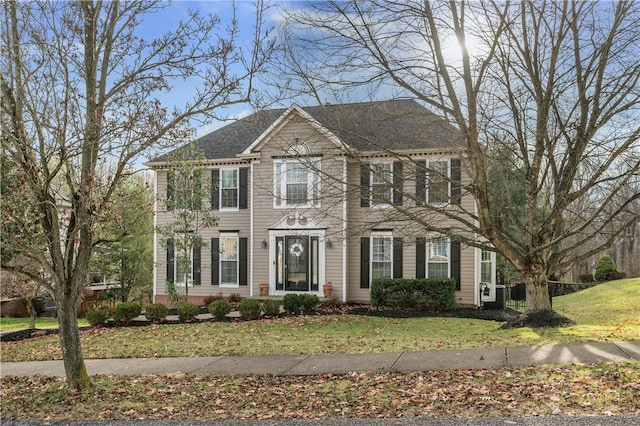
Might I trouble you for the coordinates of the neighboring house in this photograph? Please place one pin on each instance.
(309, 195)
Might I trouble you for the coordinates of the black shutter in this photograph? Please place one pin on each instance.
(397, 258)
(171, 181)
(456, 176)
(365, 176)
(397, 183)
(196, 265)
(455, 262)
(242, 188)
(215, 189)
(171, 275)
(421, 187)
(196, 197)
(364, 262)
(242, 262)
(215, 261)
(421, 257)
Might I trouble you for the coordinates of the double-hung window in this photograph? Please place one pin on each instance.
(229, 260)
(438, 258)
(297, 182)
(381, 256)
(228, 189)
(438, 182)
(486, 266)
(381, 184)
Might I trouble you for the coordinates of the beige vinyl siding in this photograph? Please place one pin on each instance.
(328, 214)
(227, 221)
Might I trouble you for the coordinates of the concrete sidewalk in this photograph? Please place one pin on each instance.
(344, 363)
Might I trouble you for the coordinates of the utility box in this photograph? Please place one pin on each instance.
(501, 299)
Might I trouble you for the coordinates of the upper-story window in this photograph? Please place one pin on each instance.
(438, 182)
(296, 178)
(381, 183)
(229, 188)
(184, 190)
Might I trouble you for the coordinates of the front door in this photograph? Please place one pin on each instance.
(297, 263)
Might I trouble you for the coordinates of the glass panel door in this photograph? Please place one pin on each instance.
(297, 263)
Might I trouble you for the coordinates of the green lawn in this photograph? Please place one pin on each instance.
(13, 324)
(607, 312)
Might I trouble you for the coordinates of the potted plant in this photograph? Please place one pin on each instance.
(264, 289)
(327, 289)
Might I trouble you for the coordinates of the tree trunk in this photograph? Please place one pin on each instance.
(31, 310)
(74, 367)
(537, 292)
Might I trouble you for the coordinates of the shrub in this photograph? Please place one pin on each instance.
(219, 309)
(292, 303)
(585, 278)
(156, 312)
(187, 311)
(209, 299)
(616, 275)
(271, 308)
(250, 309)
(98, 315)
(427, 294)
(125, 312)
(308, 301)
(235, 298)
(604, 267)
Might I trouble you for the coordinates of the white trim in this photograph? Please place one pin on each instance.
(283, 119)
(251, 233)
(155, 237)
(344, 229)
(235, 236)
(371, 175)
(383, 235)
(272, 257)
(428, 241)
(237, 207)
(282, 194)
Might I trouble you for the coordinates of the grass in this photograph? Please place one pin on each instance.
(14, 324)
(608, 312)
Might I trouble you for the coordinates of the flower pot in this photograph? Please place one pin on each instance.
(264, 289)
(327, 289)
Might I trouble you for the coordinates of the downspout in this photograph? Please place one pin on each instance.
(251, 234)
(155, 234)
(344, 228)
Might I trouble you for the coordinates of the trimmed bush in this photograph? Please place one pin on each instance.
(156, 312)
(604, 267)
(98, 315)
(187, 312)
(292, 303)
(308, 301)
(219, 309)
(616, 275)
(585, 278)
(209, 299)
(125, 312)
(425, 294)
(250, 309)
(271, 308)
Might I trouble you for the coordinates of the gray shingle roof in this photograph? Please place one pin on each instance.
(366, 126)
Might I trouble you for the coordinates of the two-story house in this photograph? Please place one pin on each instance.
(310, 195)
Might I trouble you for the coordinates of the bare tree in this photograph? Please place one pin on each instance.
(82, 89)
(553, 83)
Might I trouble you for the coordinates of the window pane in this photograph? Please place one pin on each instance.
(228, 260)
(438, 182)
(438, 270)
(438, 258)
(381, 183)
(229, 248)
(381, 257)
(229, 198)
(229, 272)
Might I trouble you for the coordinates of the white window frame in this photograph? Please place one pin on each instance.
(447, 163)
(232, 236)
(372, 201)
(280, 182)
(385, 235)
(176, 269)
(221, 189)
(429, 248)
